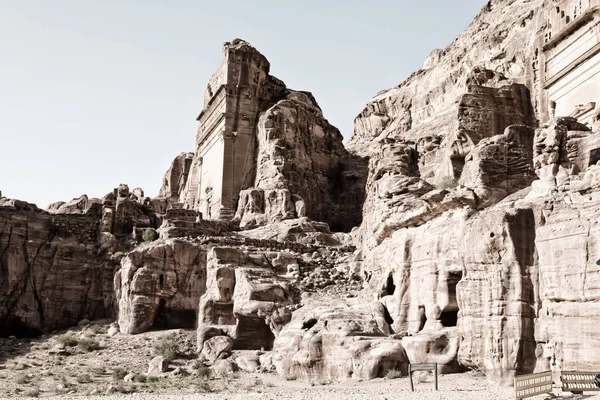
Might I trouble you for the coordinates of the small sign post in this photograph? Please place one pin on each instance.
(422, 367)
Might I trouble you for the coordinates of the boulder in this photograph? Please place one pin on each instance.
(338, 341)
(248, 363)
(217, 348)
(224, 368)
(157, 366)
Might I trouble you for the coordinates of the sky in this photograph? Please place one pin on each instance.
(98, 93)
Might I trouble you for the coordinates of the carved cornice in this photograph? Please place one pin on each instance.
(577, 23)
(578, 61)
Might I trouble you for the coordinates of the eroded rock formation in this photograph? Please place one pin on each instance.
(265, 153)
(467, 169)
(474, 204)
(338, 341)
(159, 285)
(57, 266)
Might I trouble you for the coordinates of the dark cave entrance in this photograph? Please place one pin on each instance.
(14, 326)
(390, 287)
(160, 320)
(309, 324)
(167, 318)
(422, 318)
(388, 317)
(253, 334)
(449, 316)
(389, 364)
(458, 164)
(594, 156)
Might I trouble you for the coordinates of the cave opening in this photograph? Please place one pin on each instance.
(168, 318)
(422, 318)
(14, 326)
(388, 316)
(458, 164)
(594, 157)
(449, 318)
(386, 365)
(160, 320)
(161, 281)
(306, 325)
(253, 334)
(390, 287)
(449, 315)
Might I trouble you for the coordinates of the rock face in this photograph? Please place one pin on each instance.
(38, 253)
(500, 165)
(569, 283)
(477, 231)
(57, 266)
(176, 177)
(299, 151)
(265, 153)
(338, 341)
(247, 297)
(159, 286)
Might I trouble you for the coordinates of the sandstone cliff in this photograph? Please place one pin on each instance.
(461, 235)
(265, 153)
(475, 216)
(57, 266)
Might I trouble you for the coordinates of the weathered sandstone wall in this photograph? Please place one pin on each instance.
(53, 271)
(57, 266)
(265, 153)
(478, 225)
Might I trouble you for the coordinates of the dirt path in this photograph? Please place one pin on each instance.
(89, 364)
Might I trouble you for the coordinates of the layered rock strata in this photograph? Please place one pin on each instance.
(265, 153)
(470, 180)
(477, 207)
(57, 266)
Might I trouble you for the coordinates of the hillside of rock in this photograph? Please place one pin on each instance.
(460, 225)
(265, 153)
(57, 266)
(468, 180)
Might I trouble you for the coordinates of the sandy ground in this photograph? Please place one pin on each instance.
(44, 368)
(451, 387)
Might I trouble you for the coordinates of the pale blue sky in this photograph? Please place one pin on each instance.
(97, 93)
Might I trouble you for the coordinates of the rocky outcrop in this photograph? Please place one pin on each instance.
(501, 38)
(76, 206)
(488, 105)
(176, 177)
(467, 197)
(54, 270)
(500, 165)
(299, 230)
(247, 297)
(557, 155)
(338, 341)
(57, 266)
(179, 222)
(159, 286)
(265, 153)
(302, 169)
